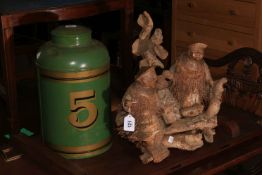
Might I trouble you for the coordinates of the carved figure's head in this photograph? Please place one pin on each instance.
(196, 51)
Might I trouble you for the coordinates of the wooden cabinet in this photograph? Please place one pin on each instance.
(225, 25)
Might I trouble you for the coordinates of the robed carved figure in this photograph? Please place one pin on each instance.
(192, 80)
(141, 102)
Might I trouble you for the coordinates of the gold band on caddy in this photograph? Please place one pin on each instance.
(76, 151)
(75, 77)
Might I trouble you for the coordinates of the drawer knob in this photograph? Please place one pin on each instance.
(191, 5)
(232, 12)
(190, 34)
(230, 43)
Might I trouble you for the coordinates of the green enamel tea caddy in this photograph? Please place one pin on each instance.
(73, 81)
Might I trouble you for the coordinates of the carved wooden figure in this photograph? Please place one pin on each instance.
(142, 102)
(192, 80)
(194, 87)
(176, 109)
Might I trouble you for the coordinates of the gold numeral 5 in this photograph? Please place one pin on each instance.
(80, 101)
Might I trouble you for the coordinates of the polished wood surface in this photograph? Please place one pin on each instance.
(25, 12)
(22, 166)
(122, 158)
(8, 7)
(223, 25)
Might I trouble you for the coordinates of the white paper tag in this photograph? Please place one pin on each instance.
(129, 123)
(170, 139)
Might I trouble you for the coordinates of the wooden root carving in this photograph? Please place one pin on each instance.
(177, 109)
(147, 46)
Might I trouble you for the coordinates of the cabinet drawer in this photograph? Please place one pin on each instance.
(216, 38)
(225, 11)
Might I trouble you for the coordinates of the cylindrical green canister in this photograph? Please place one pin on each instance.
(73, 78)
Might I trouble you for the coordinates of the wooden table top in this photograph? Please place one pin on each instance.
(123, 157)
(21, 166)
(9, 7)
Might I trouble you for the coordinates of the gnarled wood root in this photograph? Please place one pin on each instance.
(189, 141)
(205, 122)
